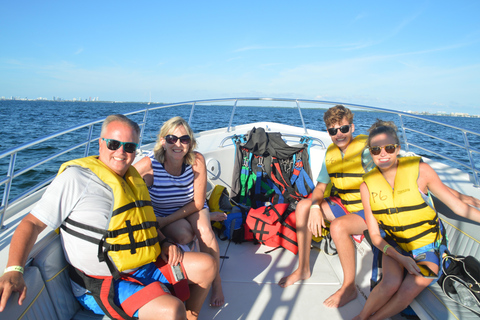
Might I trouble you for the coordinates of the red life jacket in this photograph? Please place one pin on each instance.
(274, 226)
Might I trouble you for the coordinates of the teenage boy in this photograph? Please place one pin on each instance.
(347, 159)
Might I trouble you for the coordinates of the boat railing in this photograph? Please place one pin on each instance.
(301, 139)
(13, 171)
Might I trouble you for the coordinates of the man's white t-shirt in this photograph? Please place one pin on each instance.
(79, 194)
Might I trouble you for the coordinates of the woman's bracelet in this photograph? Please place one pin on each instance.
(316, 206)
(386, 248)
(13, 268)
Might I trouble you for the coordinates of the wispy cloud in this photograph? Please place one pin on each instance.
(80, 50)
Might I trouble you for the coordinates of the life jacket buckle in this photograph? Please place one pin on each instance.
(392, 211)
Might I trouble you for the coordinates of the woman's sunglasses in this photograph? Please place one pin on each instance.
(389, 148)
(343, 129)
(113, 145)
(172, 139)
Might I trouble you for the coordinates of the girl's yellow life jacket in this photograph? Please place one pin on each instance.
(346, 173)
(131, 239)
(401, 211)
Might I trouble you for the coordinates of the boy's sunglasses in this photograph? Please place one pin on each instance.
(129, 147)
(389, 148)
(343, 129)
(172, 139)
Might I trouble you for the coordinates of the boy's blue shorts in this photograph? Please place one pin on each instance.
(339, 210)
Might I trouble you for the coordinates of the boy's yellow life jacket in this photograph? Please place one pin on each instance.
(402, 212)
(346, 173)
(131, 239)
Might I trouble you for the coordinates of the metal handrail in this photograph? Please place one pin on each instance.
(221, 144)
(11, 173)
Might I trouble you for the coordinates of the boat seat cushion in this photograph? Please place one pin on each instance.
(54, 269)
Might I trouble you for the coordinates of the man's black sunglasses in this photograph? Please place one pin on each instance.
(343, 129)
(113, 145)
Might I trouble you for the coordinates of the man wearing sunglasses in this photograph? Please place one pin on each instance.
(347, 159)
(79, 201)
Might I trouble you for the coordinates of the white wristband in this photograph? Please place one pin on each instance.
(14, 268)
(315, 206)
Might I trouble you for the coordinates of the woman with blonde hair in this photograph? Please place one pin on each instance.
(176, 177)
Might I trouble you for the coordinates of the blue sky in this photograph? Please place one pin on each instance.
(405, 55)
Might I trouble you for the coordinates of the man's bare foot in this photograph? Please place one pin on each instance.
(217, 299)
(218, 216)
(341, 297)
(295, 276)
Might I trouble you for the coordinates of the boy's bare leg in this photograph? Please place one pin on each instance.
(341, 230)
(304, 239)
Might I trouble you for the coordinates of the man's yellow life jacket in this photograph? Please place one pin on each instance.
(401, 211)
(346, 173)
(131, 239)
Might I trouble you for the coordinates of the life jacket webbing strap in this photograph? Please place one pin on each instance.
(418, 236)
(113, 233)
(406, 227)
(401, 209)
(120, 247)
(80, 235)
(345, 191)
(106, 296)
(141, 226)
(345, 175)
(287, 239)
(258, 180)
(131, 205)
(348, 202)
(142, 297)
(260, 231)
(285, 188)
(84, 226)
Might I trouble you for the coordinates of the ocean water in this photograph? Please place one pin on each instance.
(23, 121)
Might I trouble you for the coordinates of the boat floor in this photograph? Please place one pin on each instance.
(250, 274)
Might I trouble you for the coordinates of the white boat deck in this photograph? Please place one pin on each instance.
(250, 277)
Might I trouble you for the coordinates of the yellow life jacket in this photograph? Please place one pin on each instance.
(402, 212)
(131, 239)
(346, 173)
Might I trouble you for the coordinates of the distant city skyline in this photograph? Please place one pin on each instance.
(96, 99)
(408, 55)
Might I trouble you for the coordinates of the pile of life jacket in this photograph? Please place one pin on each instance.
(269, 178)
(269, 171)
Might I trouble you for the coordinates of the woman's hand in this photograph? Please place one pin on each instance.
(410, 265)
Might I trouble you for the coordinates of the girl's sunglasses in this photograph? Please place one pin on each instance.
(113, 145)
(389, 148)
(172, 139)
(343, 129)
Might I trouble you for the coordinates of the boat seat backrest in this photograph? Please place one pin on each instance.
(49, 292)
(54, 270)
(37, 304)
(53, 267)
